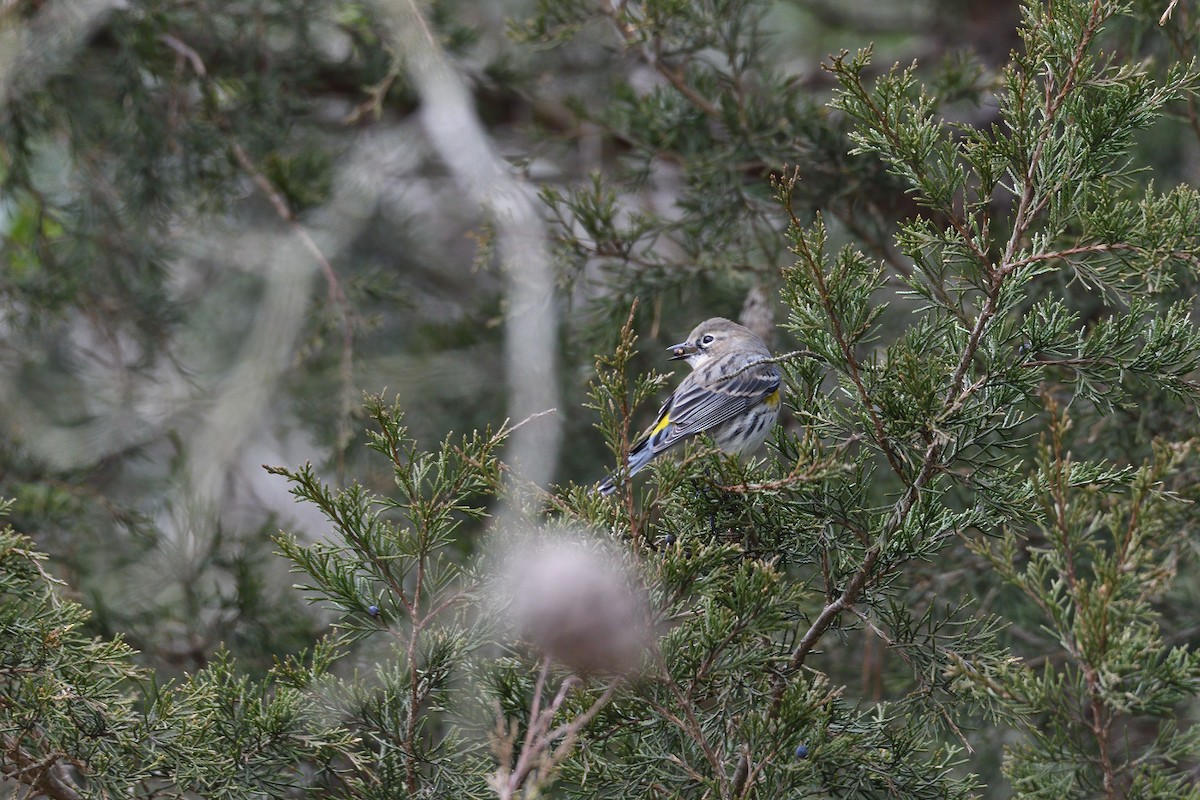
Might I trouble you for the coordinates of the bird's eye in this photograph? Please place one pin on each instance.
(708, 339)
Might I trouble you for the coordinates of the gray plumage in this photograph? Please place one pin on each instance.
(732, 394)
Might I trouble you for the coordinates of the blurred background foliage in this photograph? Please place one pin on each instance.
(169, 166)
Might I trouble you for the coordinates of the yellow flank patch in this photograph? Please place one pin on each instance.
(772, 399)
(662, 423)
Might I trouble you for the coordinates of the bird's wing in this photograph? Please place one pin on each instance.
(695, 408)
(644, 449)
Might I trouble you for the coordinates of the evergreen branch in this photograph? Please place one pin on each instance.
(689, 725)
(891, 643)
(415, 700)
(318, 494)
(1099, 722)
(955, 396)
(654, 59)
(1030, 205)
(880, 122)
(538, 752)
(1106, 361)
(852, 366)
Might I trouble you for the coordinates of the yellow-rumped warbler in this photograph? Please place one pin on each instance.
(732, 395)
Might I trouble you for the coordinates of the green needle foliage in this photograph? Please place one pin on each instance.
(1109, 539)
(81, 719)
(959, 570)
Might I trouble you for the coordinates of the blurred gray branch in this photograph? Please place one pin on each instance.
(33, 51)
(448, 115)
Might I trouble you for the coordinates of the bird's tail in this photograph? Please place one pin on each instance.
(639, 456)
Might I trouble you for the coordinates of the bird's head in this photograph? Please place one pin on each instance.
(714, 338)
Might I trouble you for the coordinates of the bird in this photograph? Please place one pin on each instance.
(732, 394)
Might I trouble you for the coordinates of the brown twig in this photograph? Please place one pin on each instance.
(43, 775)
(673, 74)
(689, 724)
(337, 297)
(538, 751)
(810, 473)
(813, 261)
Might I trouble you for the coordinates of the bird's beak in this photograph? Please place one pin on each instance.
(681, 351)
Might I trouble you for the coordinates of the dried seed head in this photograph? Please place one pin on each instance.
(578, 605)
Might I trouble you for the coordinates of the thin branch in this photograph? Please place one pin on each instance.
(822, 623)
(453, 129)
(337, 297)
(1029, 205)
(884, 124)
(538, 752)
(689, 724)
(844, 344)
(811, 473)
(44, 775)
(891, 643)
(654, 58)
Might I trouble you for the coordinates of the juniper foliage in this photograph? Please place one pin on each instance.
(956, 571)
(82, 719)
